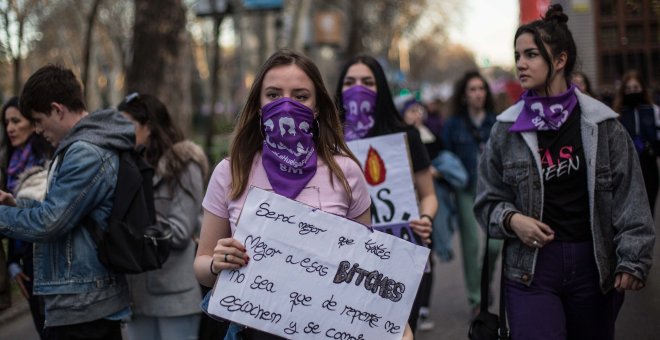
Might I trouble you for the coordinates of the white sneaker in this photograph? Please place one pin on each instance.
(425, 324)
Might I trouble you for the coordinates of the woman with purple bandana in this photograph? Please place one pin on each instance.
(288, 139)
(560, 182)
(367, 109)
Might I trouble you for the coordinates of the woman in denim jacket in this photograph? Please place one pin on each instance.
(560, 181)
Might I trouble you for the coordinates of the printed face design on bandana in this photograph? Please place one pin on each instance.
(359, 106)
(288, 153)
(287, 126)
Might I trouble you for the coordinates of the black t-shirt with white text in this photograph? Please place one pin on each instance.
(566, 196)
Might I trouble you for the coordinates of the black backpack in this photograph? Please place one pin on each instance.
(133, 242)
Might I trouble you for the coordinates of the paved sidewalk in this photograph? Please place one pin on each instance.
(19, 307)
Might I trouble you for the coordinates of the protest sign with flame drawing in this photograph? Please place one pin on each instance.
(386, 164)
(315, 275)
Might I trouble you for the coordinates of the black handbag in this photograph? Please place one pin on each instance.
(486, 325)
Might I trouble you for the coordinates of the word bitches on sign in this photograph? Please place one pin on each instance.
(315, 275)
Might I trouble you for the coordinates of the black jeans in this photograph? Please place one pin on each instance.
(102, 329)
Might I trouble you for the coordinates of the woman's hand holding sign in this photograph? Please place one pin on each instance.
(228, 254)
(214, 256)
(422, 227)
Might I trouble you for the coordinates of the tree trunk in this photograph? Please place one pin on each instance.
(355, 35)
(161, 57)
(87, 53)
(215, 84)
(17, 58)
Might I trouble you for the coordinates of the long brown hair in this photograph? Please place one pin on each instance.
(618, 99)
(248, 139)
(150, 111)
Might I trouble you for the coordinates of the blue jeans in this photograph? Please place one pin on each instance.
(184, 327)
(564, 300)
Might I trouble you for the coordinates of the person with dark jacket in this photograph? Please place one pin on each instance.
(465, 134)
(641, 118)
(81, 295)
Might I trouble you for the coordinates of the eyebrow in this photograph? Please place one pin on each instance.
(365, 77)
(293, 90)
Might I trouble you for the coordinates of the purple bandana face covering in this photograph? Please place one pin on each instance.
(545, 113)
(288, 154)
(359, 105)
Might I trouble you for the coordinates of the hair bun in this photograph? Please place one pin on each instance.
(556, 14)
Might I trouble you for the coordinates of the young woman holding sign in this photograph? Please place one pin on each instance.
(560, 181)
(287, 95)
(362, 81)
(366, 107)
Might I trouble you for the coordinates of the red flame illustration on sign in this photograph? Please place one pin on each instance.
(374, 168)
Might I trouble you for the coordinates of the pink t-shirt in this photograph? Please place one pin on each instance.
(318, 193)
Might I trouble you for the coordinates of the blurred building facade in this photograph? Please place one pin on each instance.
(612, 36)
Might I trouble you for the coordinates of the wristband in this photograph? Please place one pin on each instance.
(211, 268)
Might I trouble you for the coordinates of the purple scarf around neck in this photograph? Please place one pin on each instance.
(21, 159)
(545, 113)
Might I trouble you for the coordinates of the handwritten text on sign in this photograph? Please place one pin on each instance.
(316, 275)
(386, 167)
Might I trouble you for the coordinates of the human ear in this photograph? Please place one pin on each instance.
(57, 109)
(560, 61)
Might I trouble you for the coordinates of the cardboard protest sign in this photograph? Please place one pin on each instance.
(315, 275)
(386, 164)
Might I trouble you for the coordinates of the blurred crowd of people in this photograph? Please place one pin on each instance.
(472, 171)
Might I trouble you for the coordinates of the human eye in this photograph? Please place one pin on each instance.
(369, 82)
(272, 94)
(516, 56)
(532, 54)
(349, 81)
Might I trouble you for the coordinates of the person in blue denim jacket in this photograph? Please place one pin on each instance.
(560, 181)
(81, 296)
(465, 134)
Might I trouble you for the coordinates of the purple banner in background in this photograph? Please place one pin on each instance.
(401, 230)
